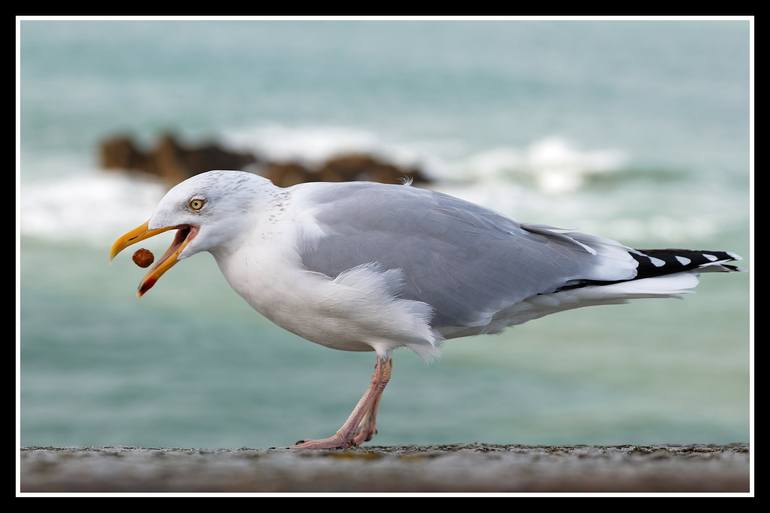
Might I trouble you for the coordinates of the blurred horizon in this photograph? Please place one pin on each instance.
(632, 130)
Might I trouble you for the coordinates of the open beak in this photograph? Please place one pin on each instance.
(183, 237)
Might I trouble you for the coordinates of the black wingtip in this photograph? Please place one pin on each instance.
(658, 262)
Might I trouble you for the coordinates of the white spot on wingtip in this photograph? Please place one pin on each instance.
(710, 257)
(734, 256)
(683, 260)
(657, 262)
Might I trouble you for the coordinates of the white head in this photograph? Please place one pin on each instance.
(209, 211)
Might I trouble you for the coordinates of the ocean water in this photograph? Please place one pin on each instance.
(632, 130)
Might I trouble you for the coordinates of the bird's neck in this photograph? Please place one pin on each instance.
(266, 222)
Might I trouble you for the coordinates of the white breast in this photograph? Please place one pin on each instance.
(356, 311)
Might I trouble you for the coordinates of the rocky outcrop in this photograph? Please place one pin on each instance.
(173, 162)
(169, 159)
(360, 166)
(120, 152)
(342, 168)
(286, 174)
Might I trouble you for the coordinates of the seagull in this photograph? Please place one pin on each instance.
(363, 266)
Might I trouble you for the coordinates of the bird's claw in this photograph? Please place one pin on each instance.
(333, 442)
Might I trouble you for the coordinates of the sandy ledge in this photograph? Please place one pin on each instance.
(452, 468)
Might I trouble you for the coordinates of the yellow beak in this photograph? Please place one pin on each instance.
(183, 237)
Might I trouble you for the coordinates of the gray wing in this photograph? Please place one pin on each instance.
(465, 261)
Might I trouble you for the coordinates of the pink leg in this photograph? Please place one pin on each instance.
(368, 426)
(346, 436)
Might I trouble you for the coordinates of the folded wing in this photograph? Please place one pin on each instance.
(468, 263)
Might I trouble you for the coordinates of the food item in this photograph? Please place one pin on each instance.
(143, 257)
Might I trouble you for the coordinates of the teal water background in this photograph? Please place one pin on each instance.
(631, 130)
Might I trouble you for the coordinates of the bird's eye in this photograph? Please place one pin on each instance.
(196, 203)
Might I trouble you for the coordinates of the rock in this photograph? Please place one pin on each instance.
(209, 156)
(173, 162)
(361, 166)
(168, 159)
(120, 152)
(341, 168)
(286, 174)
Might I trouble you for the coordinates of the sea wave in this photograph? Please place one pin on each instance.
(91, 207)
(313, 144)
(548, 181)
(309, 144)
(95, 207)
(552, 164)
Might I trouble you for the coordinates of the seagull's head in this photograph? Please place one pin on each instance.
(208, 211)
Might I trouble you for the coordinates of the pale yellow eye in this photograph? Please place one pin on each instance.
(196, 204)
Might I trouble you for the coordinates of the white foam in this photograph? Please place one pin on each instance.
(313, 144)
(555, 165)
(310, 144)
(72, 200)
(92, 207)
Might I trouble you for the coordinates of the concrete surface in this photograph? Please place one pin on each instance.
(451, 468)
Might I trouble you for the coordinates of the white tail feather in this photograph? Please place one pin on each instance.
(669, 285)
